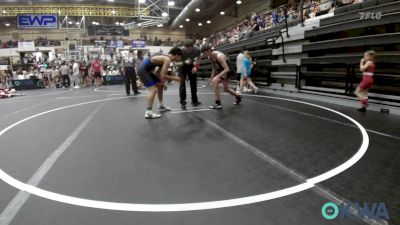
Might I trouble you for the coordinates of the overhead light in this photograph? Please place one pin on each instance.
(200, 24)
(187, 19)
(7, 24)
(117, 23)
(121, 24)
(208, 21)
(110, 0)
(4, 11)
(139, 24)
(113, 12)
(160, 25)
(142, 1)
(95, 23)
(222, 13)
(197, 10)
(171, 3)
(164, 14)
(238, 2)
(180, 26)
(77, 23)
(70, 22)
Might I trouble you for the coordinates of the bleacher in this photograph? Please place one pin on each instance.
(343, 39)
(260, 46)
(330, 52)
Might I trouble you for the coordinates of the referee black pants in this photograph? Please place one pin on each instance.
(130, 79)
(187, 71)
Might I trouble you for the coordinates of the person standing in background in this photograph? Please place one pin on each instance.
(367, 67)
(130, 73)
(246, 72)
(75, 74)
(191, 64)
(239, 66)
(97, 69)
(56, 77)
(64, 71)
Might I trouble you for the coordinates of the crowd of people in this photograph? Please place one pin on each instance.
(292, 11)
(45, 42)
(39, 42)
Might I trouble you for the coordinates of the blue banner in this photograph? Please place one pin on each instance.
(37, 21)
(138, 44)
(113, 80)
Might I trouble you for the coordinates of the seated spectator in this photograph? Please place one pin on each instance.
(253, 16)
(261, 22)
(324, 7)
(306, 8)
(281, 16)
(292, 14)
(274, 18)
(314, 9)
(343, 2)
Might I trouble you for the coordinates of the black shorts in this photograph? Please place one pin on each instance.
(238, 76)
(97, 74)
(148, 78)
(228, 75)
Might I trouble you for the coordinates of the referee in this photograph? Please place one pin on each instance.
(130, 73)
(191, 63)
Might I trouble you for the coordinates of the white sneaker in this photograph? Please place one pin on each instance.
(151, 115)
(163, 108)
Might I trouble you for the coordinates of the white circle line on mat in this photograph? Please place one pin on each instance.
(309, 183)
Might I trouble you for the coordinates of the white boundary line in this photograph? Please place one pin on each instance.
(309, 183)
(27, 97)
(102, 91)
(189, 111)
(19, 200)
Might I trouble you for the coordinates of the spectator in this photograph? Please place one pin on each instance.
(76, 74)
(239, 66)
(65, 71)
(54, 77)
(340, 3)
(246, 72)
(281, 16)
(292, 14)
(261, 22)
(274, 18)
(96, 70)
(324, 7)
(254, 27)
(307, 9)
(253, 16)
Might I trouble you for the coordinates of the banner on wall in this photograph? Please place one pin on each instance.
(26, 45)
(138, 44)
(115, 43)
(37, 21)
(107, 30)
